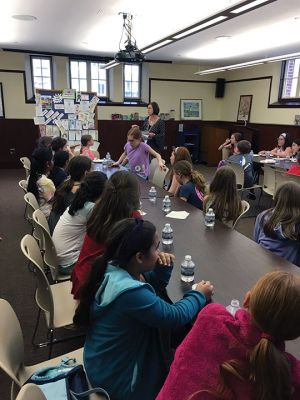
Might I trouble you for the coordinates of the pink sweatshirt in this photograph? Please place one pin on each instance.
(216, 337)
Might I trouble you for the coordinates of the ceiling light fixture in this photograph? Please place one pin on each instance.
(248, 6)
(199, 27)
(23, 17)
(249, 63)
(223, 38)
(109, 65)
(156, 46)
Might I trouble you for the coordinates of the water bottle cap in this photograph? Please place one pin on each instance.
(167, 226)
(210, 210)
(166, 197)
(152, 188)
(235, 303)
(188, 258)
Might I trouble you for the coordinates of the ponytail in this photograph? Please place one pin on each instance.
(40, 160)
(199, 180)
(64, 188)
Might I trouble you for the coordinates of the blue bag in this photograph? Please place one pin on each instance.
(64, 382)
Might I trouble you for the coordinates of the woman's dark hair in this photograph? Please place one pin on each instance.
(77, 168)
(90, 189)
(60, 158)
(155, 107)
(286, 212)
(287, 140)
(124, 240)
(44, 141)
(84, 140)
(223, 197)
(58, 143)
(119, 200)
(238, 135)
(297, 141)
(40, 159)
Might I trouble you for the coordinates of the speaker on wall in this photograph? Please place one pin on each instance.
(220, 87)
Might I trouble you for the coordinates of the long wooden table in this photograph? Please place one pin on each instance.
(229, 259)
(281, 164)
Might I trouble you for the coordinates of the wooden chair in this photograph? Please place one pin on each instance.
(27, 165)
(56, 301)
(47, 246)
(245, 208)
(159, 176)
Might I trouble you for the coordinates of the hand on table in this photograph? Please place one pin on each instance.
(206, 288)
(115, 164)
(165, 258)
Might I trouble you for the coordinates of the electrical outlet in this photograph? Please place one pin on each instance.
(12, 151)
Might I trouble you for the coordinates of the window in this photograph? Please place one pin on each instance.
(290, 84)
(41, 71)
(89, 76)
(132, 82)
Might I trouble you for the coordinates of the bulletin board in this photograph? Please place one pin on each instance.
(67, 113)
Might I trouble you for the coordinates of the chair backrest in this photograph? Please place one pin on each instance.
(96, 153)
(50, 256)
(269, 180)
(239, 172)
(159, 176)
(39, 219)
(245, 208)
(23, 185)
(12, 344)
(30, 392)
(43, 295)
(153, 166)
(32, 205)
(280, 178)
(26, 164)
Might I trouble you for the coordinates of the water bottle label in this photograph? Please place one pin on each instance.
(167, 235)
(186, 271)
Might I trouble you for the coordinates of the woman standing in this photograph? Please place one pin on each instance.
(156, 128)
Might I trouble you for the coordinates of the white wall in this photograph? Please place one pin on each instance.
(166, 93)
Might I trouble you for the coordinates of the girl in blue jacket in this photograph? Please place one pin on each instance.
(127, 322)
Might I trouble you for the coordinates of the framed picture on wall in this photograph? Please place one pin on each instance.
(244, 108)
(190, 109)
(2, 114)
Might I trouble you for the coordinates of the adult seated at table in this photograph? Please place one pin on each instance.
(229, 146)
(278, 229)
(178, 154)
(283, 148)
(295, 169)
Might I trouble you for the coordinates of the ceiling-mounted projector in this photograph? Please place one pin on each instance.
(130, 54)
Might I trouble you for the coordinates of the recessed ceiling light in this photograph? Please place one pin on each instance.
(23, 17)
(223, 38)
(85, 43)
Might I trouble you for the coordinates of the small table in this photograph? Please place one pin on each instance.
(282, 163)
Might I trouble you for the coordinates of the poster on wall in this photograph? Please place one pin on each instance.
(190, 109)
(2, 114)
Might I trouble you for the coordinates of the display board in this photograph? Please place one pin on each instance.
(67, 113)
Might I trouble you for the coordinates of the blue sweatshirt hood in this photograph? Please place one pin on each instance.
(116, 281)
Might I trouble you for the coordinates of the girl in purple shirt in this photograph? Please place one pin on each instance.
(136, 154)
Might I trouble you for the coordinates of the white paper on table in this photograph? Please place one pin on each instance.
(268, 161)
(142, 212)
(178, 214)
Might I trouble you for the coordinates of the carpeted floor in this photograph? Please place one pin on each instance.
(17, 283)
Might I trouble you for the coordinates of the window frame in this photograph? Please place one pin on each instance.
(89, 75)
(286, 100)
(32, 75)
(132, 99)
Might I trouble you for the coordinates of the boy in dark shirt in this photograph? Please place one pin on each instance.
(244, 158)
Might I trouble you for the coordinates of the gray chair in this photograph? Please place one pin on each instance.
(30, 392)
(245, 208)
(26, 164)
(269, 180)
(30, 206)
(12, 351)
(56, 301)
(159, 177)
(153, 166)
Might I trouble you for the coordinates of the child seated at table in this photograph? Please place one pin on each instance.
(178, 154)
(278, 229)
(126, 351)
(86, 142)
(244, 159)
(70, 230)
(60, 162)
(120, 199)
(295, 147)
(242, 356)
(38, 183)
(283, 148)
(136, 153)
(192, 183)
(61, 144)
(295, 169)
(223, 197)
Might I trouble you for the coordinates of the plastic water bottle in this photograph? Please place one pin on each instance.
(108, 159)
(152, 195)
(233, 307)
(166, 204)
(167, 234)
(187, 269)
(210, 218)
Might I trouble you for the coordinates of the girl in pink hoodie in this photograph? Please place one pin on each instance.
(243, 356)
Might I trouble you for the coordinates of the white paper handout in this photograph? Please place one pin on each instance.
(69, 106)
(39, 120)
(178, 214)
